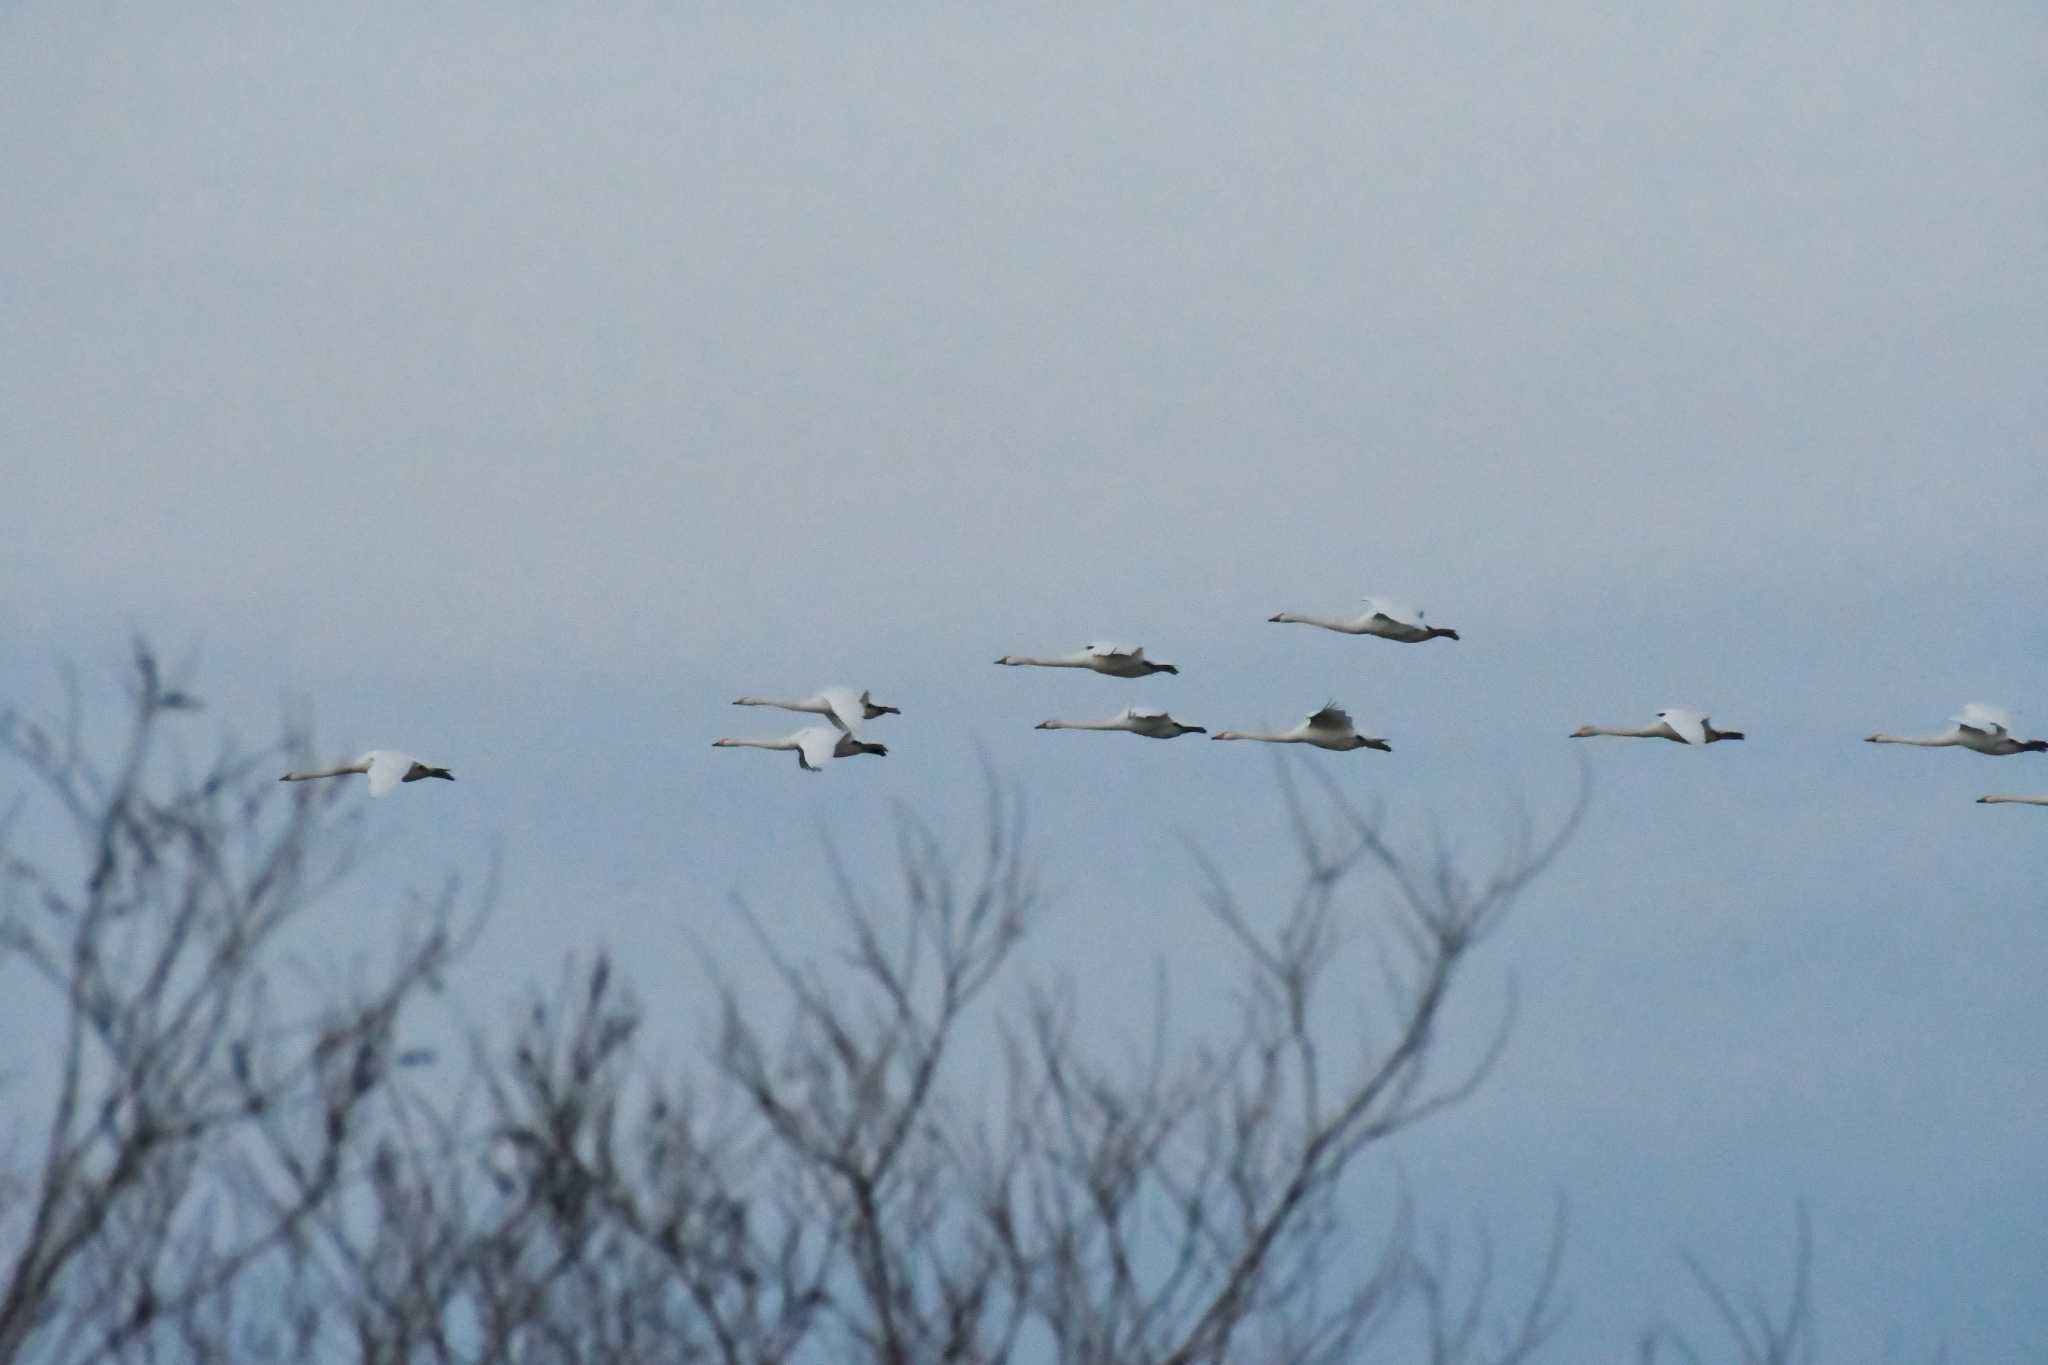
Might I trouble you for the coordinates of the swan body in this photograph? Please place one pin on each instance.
(1680, 724)
(2012, 800)
(1979, 728)
(1386, 619)
(1329, 728)
(815, 746)
(1106, 657)
(1136, 720)
(844, 707)
(386, 767)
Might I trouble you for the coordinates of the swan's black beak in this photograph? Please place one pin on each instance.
(441, 773)
(887, 711)
(1274, 617)
(1169, 668)
(1197, 730)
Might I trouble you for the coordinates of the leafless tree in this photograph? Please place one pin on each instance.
(198, 1110)
(1758, 1334)
(887, 1157)
(835, 1195)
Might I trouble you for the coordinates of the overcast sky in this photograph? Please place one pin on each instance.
(518, 386)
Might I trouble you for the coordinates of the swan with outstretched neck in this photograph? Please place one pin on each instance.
(1112, 660)
(1386, 619)
(2012, 800)
(844, 707)
(1981, 729)
(1680, 724)
(1330, 728)
(1136, 720)
(386, 768)
(814, 745)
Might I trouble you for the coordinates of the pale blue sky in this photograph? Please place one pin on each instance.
(518, 387)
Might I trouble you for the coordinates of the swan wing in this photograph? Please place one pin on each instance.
(1332, 717)
(1397, 612)
(1145, 713)
(1114, 649)
(1688, 724)
(815, 745)
(1987, 720)
(843, 708)
(387, 769)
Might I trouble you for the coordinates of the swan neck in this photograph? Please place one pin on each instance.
(309, 775)
(1327, 623)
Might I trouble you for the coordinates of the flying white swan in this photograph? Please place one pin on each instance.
(386, 767)
(1980, 728)
(1116, 660)
(815, 746)
(1679, 723)
(2012, 800)
(1381, 617)
(1136, 719)
(1329, 728)
(844, 707)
